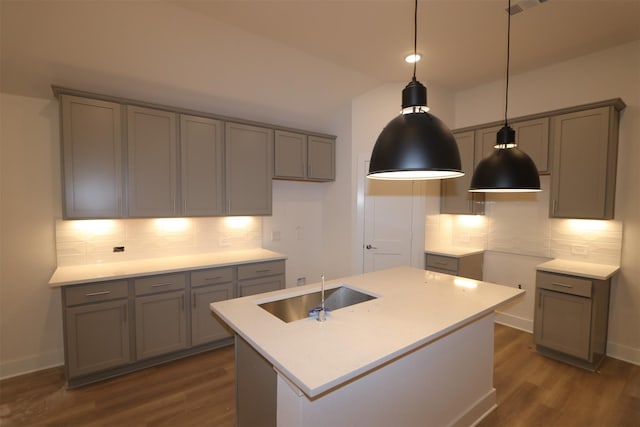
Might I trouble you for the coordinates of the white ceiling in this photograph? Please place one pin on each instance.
(287, 61)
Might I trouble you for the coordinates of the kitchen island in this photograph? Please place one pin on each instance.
(419, 353)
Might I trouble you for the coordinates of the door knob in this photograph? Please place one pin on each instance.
(370, 247)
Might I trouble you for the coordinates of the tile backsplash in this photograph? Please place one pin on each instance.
(520, 224)
(92, 241)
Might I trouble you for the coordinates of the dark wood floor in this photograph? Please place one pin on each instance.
(199, 391)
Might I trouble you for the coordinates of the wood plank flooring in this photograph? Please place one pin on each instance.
(199, 391)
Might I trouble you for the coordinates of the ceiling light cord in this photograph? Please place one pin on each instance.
(415, 38)
(506, 93)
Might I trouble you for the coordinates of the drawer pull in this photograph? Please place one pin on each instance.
(160, 285)
(95, 294)
(440, 263)
(562, 285)
(214, 278)
(263, 271)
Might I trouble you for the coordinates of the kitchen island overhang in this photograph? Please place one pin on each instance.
(417, 315)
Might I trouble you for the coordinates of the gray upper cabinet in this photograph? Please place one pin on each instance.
(202, 166)
(532, 137)
(585, 146)
(321, 160)
(92, 158)
(301, 157)
(455, 197)
(290, 155)
(249, 159)
(152, 149)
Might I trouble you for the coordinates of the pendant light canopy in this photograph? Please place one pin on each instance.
(508, 169)
(415, 145)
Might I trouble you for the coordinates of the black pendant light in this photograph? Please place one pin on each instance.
(415, 145)
(508, 169)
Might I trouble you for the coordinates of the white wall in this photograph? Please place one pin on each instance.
(604, 75)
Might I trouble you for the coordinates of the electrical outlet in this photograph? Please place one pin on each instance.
(118, 249)
(301, 281)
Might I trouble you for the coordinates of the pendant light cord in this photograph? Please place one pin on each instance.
(506, 94)
(415, 38)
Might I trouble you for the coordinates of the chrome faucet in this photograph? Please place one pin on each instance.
(322, 313)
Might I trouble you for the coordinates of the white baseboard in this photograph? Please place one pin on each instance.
(515, 322)
(13, 368)
(623, 352)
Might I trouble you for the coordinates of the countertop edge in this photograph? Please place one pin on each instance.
(581, 269)
(454, 252)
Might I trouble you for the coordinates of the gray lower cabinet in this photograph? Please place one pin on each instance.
(161, 316)
(96, 327)
(91, 157)
(469, 266)
(249, 162)
(152, 166)
(207, 286)
(455, 197)
(260, 277)
(571, 318)
(585, 152)
(202, 166)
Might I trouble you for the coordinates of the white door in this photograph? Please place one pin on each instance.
(388, 219)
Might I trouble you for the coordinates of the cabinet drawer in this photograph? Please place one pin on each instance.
(249, 271)
(166, 282)
(211, 276)
(95, 292)
(565, 284)
(442, 263)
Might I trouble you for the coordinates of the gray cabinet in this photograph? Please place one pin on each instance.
(152, 162)
(301, 157)
(570, 318)
(92, 158)
(469, 265)
(532, 137)
(249, 159)
(161, 319)
(455, 197)
(202, 166)
(96, 327)
(585, 147)
(209, 286)
(260, 277)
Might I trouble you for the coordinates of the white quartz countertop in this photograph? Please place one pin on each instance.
(452, 251)
(413, 308)
(76, 274)
(577, 268)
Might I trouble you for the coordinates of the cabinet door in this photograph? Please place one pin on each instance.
(584, 164)
(205, 327)
(92, 158)
(202, 174)
(258, 286)
(97, 337)
(152, 162)
(532, 137)
(290, 153)
(563, 322)
(249, 151)
(455, 197)
(321, 158)
(161, 324)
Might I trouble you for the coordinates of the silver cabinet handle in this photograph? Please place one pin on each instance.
(370, 247)
(95, 294)
(562, 285)
(263, 271)
(160, 285)
(213, 278)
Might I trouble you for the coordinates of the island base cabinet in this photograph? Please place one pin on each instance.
(256, 385)
(97, 337)
(161, 324)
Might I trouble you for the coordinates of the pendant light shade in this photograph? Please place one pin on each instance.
(508, 169)
(415, 145)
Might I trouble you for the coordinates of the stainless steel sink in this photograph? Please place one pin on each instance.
(299, 307)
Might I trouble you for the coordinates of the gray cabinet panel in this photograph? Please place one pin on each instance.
(258, 286)
(202, 173)
(584, 164)
(161, 324)
(249, 158)
(470, 265)
(152, 162)
(97, 337)
(290, 155)
(321, 159)
(205, 327)
(92, 158)
(455, 197)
